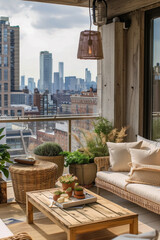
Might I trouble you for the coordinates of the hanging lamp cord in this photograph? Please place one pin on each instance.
(90, 18)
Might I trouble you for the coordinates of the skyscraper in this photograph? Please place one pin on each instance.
(61, 75)
(45, 71)
(9, 65)
(31, 84)
(87, 75)
(22, 82)
(56, 82)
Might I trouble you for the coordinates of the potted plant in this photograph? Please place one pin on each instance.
(69, 191)
(49, 151)
(57, 195)
(67, 181)
(81, 165)
(78, 192)
(4, 158)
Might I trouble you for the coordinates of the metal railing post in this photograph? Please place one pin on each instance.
(69, 135)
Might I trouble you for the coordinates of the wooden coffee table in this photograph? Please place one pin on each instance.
(95, 216)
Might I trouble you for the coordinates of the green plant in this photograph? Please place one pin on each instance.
(102, 125)
(78, 188)
(69, 178)
(48, 149)
(76, 157)
(4, 156)
(57, 192)
(69, 189)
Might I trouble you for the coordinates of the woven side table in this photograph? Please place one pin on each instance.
(26, 178)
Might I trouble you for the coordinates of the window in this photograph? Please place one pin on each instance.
(5, 49)
(0, 74)
(5, 74)
(0, 61)
(6, 112)
(0, 100)
(5, 100)
(12, 113)
(5, 61)
(152, 75)
(5, 34)
(6, 87)
(0, 87)
(19, 112)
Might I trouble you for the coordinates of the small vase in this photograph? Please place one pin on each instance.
(67, 185)
(78, 193)
(55, 197)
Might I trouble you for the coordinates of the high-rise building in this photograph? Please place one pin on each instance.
(31, 84)
(9, 66)
(45, 71)
(71, 83)
(61, 75)
(22, 82)
(87, 75)
(56, 82)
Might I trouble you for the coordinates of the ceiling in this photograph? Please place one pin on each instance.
(80, 3)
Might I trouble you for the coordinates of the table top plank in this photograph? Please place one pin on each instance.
(92, 214)
(99, 208)
(79, 216)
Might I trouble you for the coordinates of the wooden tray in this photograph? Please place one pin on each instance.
(76, 202)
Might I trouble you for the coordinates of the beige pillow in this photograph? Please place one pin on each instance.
(120, 155)
(150, 157)
(144, 174)
(148, 144)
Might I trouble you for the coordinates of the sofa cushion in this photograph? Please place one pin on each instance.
(148, 144)
(115, 178)
(151, 157)
(145, 174)
(153, 235)
(120, 155)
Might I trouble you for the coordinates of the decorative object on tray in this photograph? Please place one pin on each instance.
(29, 161)
(69, 192)
(67, 181)
(57, 195)
(78, 192)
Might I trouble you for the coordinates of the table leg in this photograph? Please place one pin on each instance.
(29, 211)
(71, 235)
(134, 226)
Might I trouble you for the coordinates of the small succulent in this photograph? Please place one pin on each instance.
(69, 189)
(69, 178)
(48, 149)
(78, 188)
(57, 192)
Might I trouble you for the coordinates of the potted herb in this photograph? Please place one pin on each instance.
(81, 165)
(69, 192)
(57, 195)
(67, 181)
(78, 192)
(49, 151)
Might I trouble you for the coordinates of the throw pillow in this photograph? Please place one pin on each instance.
(144, 174)
(148, 144)
(120, 155)
(150, 157)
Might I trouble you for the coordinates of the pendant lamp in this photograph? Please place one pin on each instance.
(90, 44)
(99, 12)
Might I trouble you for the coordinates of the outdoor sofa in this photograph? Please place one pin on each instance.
(145, 195)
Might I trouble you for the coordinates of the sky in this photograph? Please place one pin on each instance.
(49, 27)
(156, 45)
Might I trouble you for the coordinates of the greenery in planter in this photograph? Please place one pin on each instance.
(58, 192)
(93, 144)
(76, 157)
(78, 188)
(48, 149)
(69, 189)
(4, 155)
(69, 178)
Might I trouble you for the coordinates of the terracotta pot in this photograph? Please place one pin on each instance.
(78, 193)
(69, 194)
(67, 185)
(55, 197)
(59, 160)
(86, 173)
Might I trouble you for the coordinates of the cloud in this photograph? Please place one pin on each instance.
(52, 16)
(11, 7)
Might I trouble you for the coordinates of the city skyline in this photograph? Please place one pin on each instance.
(47, 33)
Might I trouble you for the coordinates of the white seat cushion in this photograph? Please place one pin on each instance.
(116, 178)
(148, 192)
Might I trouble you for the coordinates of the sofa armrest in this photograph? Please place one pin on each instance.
(102, 163)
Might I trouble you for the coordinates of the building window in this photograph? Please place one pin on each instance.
(0, 74)
(0, 100)
(6, 112)
(12, 113)
(5, 49)
(0, 61)
(0, 48)
(0, 112)
(5, 74)
(5, 61)
(5, 34)
(19, 112)
(5, 100)
(0, 87)
(6, 87)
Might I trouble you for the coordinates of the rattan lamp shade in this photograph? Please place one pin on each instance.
(90, 45)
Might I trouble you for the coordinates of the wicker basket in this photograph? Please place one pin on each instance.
(59, 160)
(26, 178)
(19, 236)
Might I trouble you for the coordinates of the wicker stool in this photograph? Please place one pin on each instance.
(26, 178)
(19, 236)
